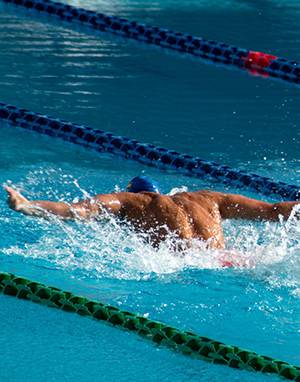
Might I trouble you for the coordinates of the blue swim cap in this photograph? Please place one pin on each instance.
(142, 183)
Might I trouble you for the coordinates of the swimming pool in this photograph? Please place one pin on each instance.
(164, 99)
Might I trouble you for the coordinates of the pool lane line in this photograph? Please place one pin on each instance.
(258, 63)
(188, 343)
(145, 153)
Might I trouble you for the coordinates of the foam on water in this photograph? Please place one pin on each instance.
(106, 249)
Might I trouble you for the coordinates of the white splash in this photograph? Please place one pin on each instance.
(269, 251)
(177, 190)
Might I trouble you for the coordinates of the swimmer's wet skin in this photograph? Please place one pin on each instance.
(189, 215)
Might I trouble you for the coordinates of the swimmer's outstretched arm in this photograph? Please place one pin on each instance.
(42, 208)
(239, 207)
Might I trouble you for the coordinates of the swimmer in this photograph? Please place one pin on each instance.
(190, 215)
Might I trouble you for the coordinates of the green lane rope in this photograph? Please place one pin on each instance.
(187, 342)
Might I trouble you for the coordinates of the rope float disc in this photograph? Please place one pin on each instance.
(218, 52)
(186, 342)
(145, 153)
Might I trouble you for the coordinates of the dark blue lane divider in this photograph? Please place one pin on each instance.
(145, 153)
(257, 62)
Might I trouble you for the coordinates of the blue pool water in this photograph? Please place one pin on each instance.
(165, 99)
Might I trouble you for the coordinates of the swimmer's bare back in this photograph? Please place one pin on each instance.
(188, 214)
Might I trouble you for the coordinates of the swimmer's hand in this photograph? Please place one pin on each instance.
(16, 201)
(42, 208)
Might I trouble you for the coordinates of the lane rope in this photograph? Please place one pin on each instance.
(186, 342)
(147, 154)
(218, 52)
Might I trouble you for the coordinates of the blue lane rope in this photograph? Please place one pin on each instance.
(214, 51)
(145, 153)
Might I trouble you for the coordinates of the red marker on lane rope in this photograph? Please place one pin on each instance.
(258, 61)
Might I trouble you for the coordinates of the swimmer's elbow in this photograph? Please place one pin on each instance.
(83, 210)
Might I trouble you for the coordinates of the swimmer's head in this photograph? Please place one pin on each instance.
(142, 183)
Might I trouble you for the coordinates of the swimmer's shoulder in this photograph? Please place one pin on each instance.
(199, 196)
(192, 194)
(136, 198)
(154, 197)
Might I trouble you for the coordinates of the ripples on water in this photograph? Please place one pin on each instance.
(137, 91)
(148, 94)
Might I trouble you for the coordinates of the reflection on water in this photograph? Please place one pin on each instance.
(154, 96)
